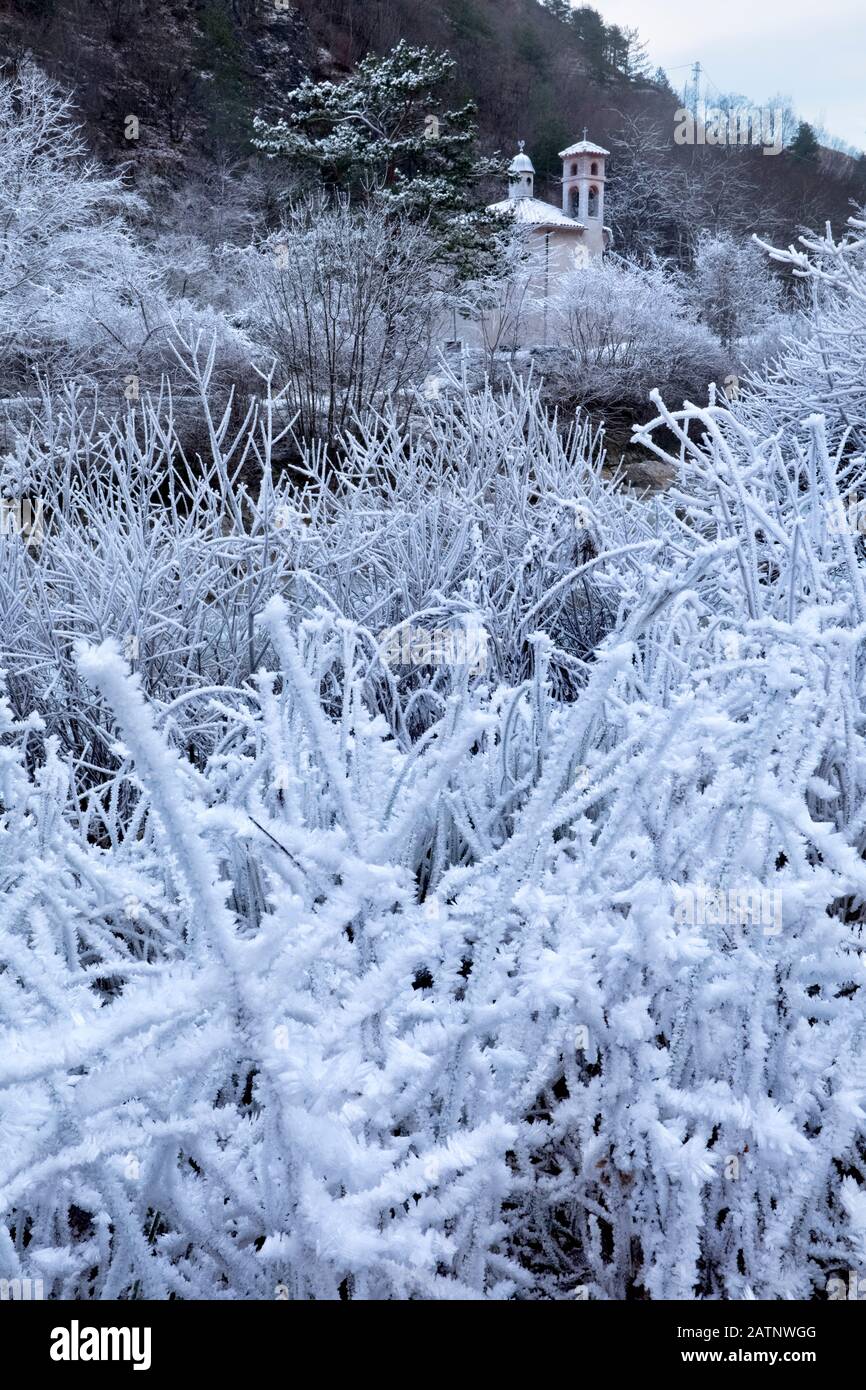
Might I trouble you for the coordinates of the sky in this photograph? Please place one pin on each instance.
(814, 52)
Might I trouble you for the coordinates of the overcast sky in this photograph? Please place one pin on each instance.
(812, 50)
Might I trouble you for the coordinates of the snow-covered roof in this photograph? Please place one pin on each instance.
(583, 147)
(532, 212)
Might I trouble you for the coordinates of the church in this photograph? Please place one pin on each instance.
(574, 234)
(562, 240)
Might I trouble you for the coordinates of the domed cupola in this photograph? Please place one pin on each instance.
(521, 175)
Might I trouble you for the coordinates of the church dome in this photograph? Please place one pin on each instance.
(521, 163)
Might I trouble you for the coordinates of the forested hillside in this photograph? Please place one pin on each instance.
(194, 72)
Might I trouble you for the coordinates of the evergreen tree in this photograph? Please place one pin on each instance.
(561, 9)
(616, 48)
(218, 52)
(383, 135)
(636, 63)
(661, 80)
(805, 145)
(593, 34)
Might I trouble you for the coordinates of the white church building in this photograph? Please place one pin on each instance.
(576, 232)
(563, 239)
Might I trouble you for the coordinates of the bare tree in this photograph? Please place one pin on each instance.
(732, 290)
(61, 220)
(646, 192)
(347, 302)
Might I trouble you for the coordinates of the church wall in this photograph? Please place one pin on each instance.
(526, 319)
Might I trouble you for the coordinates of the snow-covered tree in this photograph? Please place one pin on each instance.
(62, 225)
(647, 195)
(383, 133)
(820, 367)
(347, 301)
(80, 294)
(731, 288)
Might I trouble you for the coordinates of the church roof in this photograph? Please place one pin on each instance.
(532, 212)
(583, 147)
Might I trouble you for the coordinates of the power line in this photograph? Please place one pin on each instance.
(707, 78)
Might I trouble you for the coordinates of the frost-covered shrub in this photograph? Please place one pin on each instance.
(624, 330)
(732, 289)
(346, 300)
(81, 296)
(300, 998)
(481, 514)
(820, 366)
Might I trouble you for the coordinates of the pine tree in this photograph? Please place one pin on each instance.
(560, 9)
(805, 145)
(593, 34)
(661, 80)
(383, 135)
(636, 63)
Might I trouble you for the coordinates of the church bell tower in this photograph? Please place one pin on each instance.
(583, 181)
